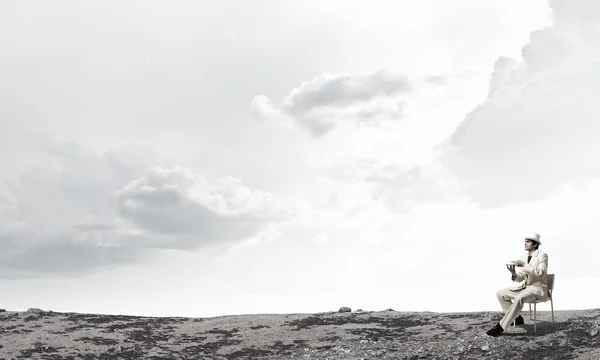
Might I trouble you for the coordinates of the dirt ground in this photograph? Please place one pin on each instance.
(37, 334)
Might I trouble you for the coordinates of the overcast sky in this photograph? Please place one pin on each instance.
(205, 158)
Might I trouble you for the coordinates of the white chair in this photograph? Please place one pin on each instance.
(550, 278)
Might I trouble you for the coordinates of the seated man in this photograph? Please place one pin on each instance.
(534, 286)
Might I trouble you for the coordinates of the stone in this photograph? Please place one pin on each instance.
(34, 311)
(594, 332)
(485, 348)
(2, 310)
(344, 309)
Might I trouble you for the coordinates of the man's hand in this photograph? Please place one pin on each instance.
(519, 263)
(511, 268)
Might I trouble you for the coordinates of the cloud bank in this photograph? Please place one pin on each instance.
(538, 128)
(82, 212)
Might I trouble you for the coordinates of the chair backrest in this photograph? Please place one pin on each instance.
(550, 278)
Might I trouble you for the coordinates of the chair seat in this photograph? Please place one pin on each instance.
(536, 301)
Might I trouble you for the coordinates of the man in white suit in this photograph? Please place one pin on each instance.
(534, 285)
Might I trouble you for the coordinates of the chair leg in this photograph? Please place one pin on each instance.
(530, 317)
(552, 307)
(534, 317)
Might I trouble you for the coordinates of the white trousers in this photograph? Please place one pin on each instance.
(512, 303)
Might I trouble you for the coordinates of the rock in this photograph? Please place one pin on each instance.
(389, 309)
(344, 309)
(34, 311)
(380, 352)
(359, 310)
(594, 332)
(485, 348)
(2, 310)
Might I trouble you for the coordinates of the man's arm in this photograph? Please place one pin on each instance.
(514, 275)
(540, 269)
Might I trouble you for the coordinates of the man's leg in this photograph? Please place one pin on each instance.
(505, 297)
(515, 309)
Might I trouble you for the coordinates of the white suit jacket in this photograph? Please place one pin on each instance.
(534, 276)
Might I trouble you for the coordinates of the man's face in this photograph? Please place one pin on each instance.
(529, 246)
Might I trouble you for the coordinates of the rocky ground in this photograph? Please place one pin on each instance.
(37, 334)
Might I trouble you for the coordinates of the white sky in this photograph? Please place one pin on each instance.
(208, 158)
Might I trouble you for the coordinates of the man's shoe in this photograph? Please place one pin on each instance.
(519, 321)
(495, 331)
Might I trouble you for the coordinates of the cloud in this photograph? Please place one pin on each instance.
(538, 128)
(400, 188)
(82, 212)
(69, 258)
(180, 210)
(327, 101)
(357, 183)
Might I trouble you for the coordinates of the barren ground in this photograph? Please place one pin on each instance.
(37, 334)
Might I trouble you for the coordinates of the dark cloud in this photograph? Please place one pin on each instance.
(68, 258)
(177, 204)
(84, 212)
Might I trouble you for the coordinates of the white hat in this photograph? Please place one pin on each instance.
(534, 237)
